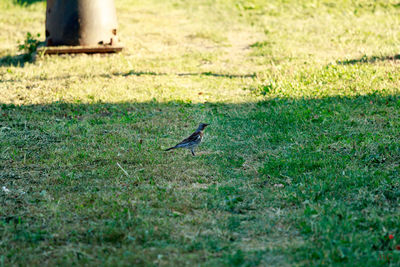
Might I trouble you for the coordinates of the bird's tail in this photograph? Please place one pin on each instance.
(168, 149)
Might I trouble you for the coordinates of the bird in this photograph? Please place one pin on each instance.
(193, 140)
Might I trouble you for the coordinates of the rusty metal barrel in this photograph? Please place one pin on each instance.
(84, 23)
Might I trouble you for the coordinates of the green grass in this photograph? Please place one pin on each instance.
(300, 165)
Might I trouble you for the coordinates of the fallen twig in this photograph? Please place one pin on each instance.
(126, 173)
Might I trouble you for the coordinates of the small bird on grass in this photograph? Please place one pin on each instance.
(192, 141)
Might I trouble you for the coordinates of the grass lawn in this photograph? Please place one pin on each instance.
(300, 165)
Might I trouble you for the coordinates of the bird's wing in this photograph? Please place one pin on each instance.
(193, 138)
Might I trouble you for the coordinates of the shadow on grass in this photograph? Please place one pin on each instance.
(365, 59)
(324, 162)
(26, 2)
(30, 45)
(16, 61)
(280, 122)
(223, 75)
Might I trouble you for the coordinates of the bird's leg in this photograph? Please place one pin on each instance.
(192, 152)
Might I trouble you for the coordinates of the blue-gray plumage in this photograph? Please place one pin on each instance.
(192, 141)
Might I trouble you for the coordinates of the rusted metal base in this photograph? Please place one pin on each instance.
(48, 50)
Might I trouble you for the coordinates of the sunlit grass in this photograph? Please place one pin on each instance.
(300, 165)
